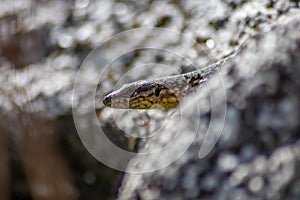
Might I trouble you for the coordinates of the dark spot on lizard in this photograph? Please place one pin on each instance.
(157, 91)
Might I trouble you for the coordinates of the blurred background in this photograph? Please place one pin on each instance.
(43, 43)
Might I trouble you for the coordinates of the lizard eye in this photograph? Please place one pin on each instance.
(157, 92)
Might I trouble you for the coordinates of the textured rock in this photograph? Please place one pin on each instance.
(216, 28)
(41, 88)
(257, 155)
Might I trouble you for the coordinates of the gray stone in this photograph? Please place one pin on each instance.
(262, 85)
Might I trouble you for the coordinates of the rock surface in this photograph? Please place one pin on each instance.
(258, 153)
(43, 43)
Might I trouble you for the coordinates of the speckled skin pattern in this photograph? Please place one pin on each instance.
(162, 93)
